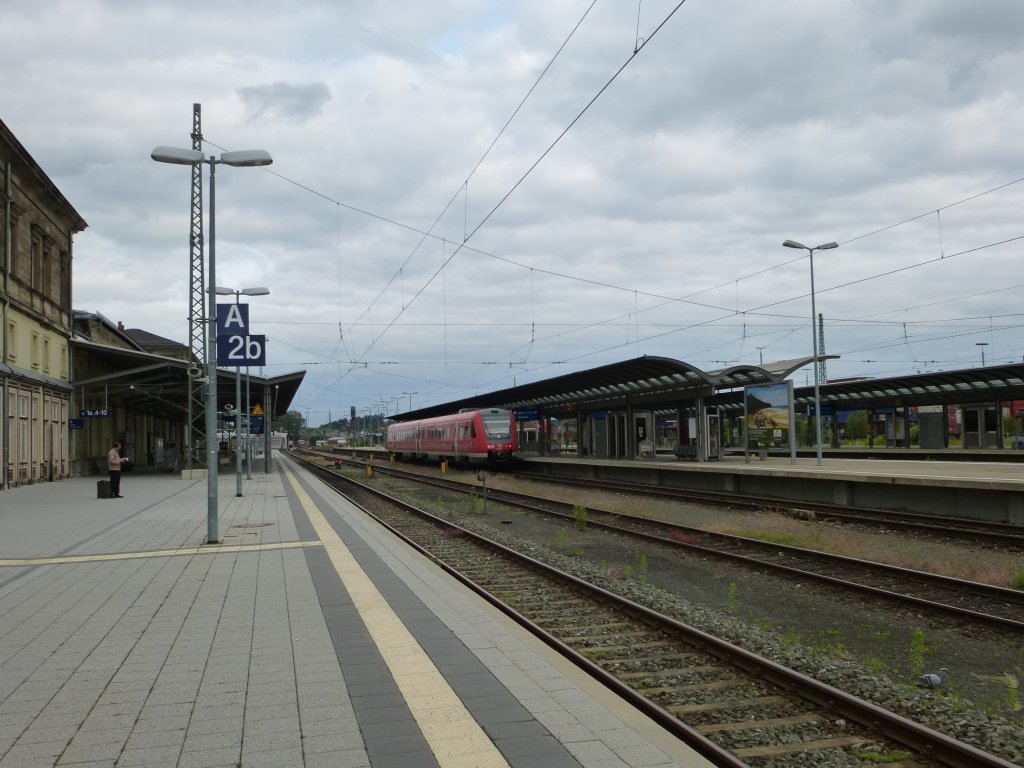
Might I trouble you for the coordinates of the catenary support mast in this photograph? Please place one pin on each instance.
(197, 309)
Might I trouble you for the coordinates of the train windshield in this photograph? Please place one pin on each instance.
(497, 424)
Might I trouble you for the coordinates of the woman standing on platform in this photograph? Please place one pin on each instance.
(114, 463)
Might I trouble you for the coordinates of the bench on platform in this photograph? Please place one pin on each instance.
(686, 451)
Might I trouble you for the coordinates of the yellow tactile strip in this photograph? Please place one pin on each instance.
(455, 738)
(185, 551)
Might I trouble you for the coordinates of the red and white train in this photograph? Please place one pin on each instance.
(475, 437)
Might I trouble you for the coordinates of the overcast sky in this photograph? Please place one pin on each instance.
(424, 241)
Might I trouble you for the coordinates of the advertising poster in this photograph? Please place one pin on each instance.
(768, 407)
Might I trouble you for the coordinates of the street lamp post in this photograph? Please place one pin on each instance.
(814, 335)
(241, 159)
(982, 344)
(410, 394)
(258, 291)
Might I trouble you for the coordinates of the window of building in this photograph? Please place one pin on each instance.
(35, 275)
(12, 340)
(35, 350)
(46, 354)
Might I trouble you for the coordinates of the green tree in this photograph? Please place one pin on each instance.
(292, 423)
(857, 425)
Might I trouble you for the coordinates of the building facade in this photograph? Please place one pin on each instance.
(38, 226)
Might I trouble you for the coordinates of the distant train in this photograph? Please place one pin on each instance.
(474, 437)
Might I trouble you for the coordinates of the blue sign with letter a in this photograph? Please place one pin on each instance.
(232, 319)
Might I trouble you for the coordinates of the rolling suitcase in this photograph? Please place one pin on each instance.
(102, 489)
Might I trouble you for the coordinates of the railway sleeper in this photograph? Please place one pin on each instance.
(777, 750)
(757, 702)
(774, 722)
(639, 675)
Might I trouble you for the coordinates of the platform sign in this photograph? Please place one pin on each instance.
(232, 319)
(76, 423)
(92, 413)
(256, 425)
(242, 350)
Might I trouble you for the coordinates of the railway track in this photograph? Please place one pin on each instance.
(1002, 534)
(968, 602)
(733, 706)
(998, 534)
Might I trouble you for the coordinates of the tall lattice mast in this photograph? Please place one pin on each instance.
(822, 376)
(197, 309)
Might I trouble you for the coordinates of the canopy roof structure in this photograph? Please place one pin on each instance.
(641, 381)
(662, 383)
(159, 383)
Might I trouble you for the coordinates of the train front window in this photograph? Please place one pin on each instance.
(497, 425)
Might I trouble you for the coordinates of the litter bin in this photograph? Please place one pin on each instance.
(102, 489)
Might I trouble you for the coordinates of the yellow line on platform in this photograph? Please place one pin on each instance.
(203, 550)
(455, 738)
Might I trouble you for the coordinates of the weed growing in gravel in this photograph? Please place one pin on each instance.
(792, 636)
(831, 641)
(789, 539)
(874, 664)
(644, 683)
(562, 537)
(579, 514)
(1017, 581)
(641, 567)
(918, 650)
(732, 602)
(1012, 695)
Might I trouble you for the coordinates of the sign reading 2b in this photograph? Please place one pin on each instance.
(242, 350)
(235, 345)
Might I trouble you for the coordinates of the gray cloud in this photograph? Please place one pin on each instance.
(285, 101)
(732, 130)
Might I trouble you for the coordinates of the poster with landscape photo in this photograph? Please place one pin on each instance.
(768, 408)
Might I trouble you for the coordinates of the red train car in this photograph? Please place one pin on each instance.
(474, 437)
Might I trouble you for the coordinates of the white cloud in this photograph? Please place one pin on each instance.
(731, 130)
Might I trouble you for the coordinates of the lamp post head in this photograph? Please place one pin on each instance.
(822, 247)
(257, 291)
(177, 156)
(246, 158)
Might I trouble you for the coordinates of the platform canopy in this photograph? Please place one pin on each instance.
(966, 385)
(665, 383)
(158, 383)
(641, 381)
